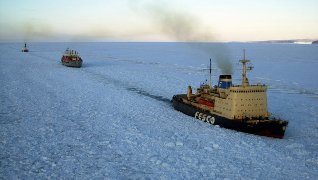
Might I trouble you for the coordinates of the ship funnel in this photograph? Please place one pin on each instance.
(225, 81)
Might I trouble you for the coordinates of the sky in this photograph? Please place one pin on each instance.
(155, 20)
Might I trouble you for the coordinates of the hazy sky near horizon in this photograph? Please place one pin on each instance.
(151, 20)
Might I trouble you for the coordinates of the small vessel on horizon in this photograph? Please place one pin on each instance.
(25, 49)
(71, 58)
(239, 107)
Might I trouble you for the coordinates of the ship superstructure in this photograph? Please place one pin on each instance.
(241, 107)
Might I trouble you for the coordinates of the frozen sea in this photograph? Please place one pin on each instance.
(112, 118)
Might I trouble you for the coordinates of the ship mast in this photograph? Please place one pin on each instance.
(210, 75)
(244, 78)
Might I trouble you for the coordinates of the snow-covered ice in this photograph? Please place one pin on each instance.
(113, 119)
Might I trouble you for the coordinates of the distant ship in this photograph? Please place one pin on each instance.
(239, 107)
(71, 58)
(25, 49)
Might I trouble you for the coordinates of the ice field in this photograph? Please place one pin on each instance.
(112, 118)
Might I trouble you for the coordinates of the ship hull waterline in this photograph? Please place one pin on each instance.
(269, 128)
(72, 63)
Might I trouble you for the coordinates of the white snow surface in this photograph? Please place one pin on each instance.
(112, 118)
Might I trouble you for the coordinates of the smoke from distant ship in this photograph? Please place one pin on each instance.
(36, 30)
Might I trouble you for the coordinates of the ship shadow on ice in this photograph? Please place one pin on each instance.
(123, 85)
(145, 93)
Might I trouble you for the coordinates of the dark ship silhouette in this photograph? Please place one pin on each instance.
(71, 58)
(25, 49)
(239, 107)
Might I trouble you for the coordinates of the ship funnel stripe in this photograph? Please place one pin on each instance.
(226, 80)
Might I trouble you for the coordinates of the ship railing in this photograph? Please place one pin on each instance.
(249, 85)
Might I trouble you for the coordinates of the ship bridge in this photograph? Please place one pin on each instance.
(241, 101)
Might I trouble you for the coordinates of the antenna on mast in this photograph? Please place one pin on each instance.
(244, 78)
(243, 54)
